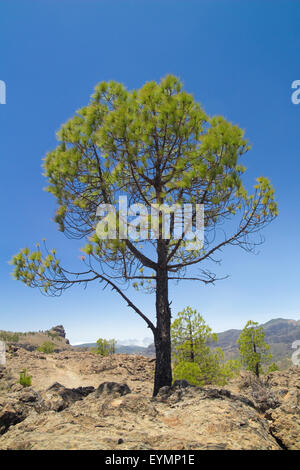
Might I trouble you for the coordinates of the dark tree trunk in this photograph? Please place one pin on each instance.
(192, 355)
(162, 336)
(257, 363)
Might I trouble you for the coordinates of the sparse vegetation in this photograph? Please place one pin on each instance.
(9, 337)
(25, 379)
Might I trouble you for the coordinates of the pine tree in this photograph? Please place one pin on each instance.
(193, 358)
(190, 335)
(254, 351)
(105, 347)
(157, 146)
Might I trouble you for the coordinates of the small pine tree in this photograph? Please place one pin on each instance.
(193, 359)
(105, 347)
(254, 351)
(25, 380)
(190, 335)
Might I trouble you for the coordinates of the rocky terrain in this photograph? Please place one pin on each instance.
(79, 400)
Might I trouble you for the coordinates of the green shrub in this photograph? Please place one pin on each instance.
(189, 371)
(272, 368)
(25, 380)
(228, 370)
(210, 371)
(47, 347)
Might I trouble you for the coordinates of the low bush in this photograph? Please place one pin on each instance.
(47, 347)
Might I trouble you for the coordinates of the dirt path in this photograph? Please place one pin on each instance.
(80, 369)
(54, 372)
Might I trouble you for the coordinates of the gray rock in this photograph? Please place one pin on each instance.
(112, 388)
(67, 395)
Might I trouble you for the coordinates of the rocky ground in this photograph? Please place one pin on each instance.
(79, 400)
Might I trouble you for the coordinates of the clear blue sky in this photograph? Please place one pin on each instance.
(238, 58)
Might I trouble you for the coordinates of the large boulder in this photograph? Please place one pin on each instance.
(112, 388)
(18, 406)
(57, 397)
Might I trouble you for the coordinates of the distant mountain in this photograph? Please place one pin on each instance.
(124, 348)
(131, 349)
(151, 350)
(85, 345)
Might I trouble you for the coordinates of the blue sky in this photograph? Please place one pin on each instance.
(238, 58)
